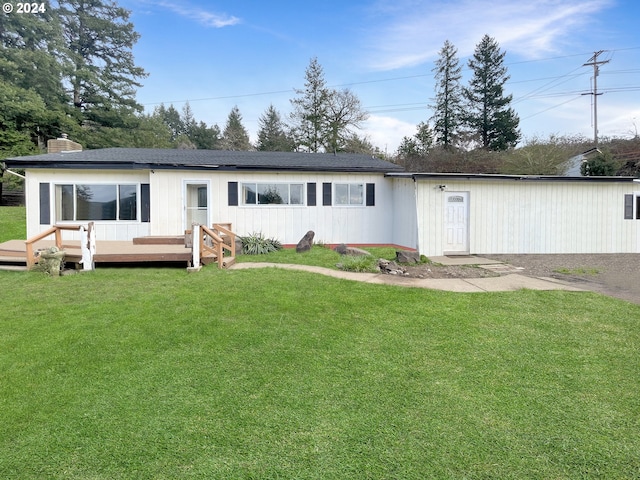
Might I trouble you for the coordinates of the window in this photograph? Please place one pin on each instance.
(272, 194)
(105, 202)
(349, 194)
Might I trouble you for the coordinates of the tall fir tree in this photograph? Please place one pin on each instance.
(272, 135)
(323, 119)
(235, 136)
(30, 73)
(447, 107)
(101, 71)
(309, 113)
(489, 115)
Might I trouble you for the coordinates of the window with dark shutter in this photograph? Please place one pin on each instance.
(371, 194)
(311, 194)
(145, 203)
(45, 204)
(326, 194)
(233, 194)
(628, 207)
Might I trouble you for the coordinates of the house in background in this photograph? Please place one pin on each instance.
(343, 198)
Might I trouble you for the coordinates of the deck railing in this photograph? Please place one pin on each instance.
(214, 242)
(56, 230)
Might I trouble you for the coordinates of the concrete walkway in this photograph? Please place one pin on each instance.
(503, 283)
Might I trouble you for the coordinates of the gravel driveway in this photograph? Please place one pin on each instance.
(616, 275)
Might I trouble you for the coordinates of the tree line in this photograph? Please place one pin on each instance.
(71, 70)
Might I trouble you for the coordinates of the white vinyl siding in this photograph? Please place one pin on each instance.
(288, 223)
(521, 217)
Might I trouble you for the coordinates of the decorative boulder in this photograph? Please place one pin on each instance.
(306, 242)
(342, 249)
(406, 256)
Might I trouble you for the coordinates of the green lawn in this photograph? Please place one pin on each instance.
(13, 223)
(156, 373)
(261, 374)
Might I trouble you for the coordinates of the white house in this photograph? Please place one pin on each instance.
(132, 193)
(343, 198)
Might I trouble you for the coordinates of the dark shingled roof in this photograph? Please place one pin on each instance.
(147, 158)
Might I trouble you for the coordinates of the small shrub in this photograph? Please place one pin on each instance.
(257, 244)
(359, 263)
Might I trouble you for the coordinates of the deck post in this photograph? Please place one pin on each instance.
(195, 245)
(88, 246)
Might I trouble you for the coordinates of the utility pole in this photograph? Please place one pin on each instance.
(593, 61)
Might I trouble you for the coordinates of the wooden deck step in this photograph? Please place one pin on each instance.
(159, 240)
(13, 268)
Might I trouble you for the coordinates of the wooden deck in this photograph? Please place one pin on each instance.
(14, 253)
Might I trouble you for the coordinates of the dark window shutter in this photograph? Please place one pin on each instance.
(145, 203)
(45, 204)
(371, 194)
(233, 194)
(311, 194)
(326, 194)
(628, 207)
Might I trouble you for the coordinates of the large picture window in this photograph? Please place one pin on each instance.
(96, 202)
(272, 194)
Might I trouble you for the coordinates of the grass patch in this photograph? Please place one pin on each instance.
(156, 373)
(318, 256)
(13, 223)
(359, 263)
(578, 271)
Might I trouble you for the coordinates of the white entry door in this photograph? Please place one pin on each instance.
(456, 223)
(196, 204)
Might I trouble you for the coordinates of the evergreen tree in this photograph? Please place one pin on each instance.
(101, 72)
(309, 114)
(417, 146)
(600, 165)
(30, 72)
(356, 144)
(171, 117)
(447, 108)
(323, 118)
(205, 137)
(489, 115)
(235, 136)
(272, 135)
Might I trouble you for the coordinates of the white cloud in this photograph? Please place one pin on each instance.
(387, 132)
(414, 32)
(206, 18)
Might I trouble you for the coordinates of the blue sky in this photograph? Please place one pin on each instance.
(217, 54)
